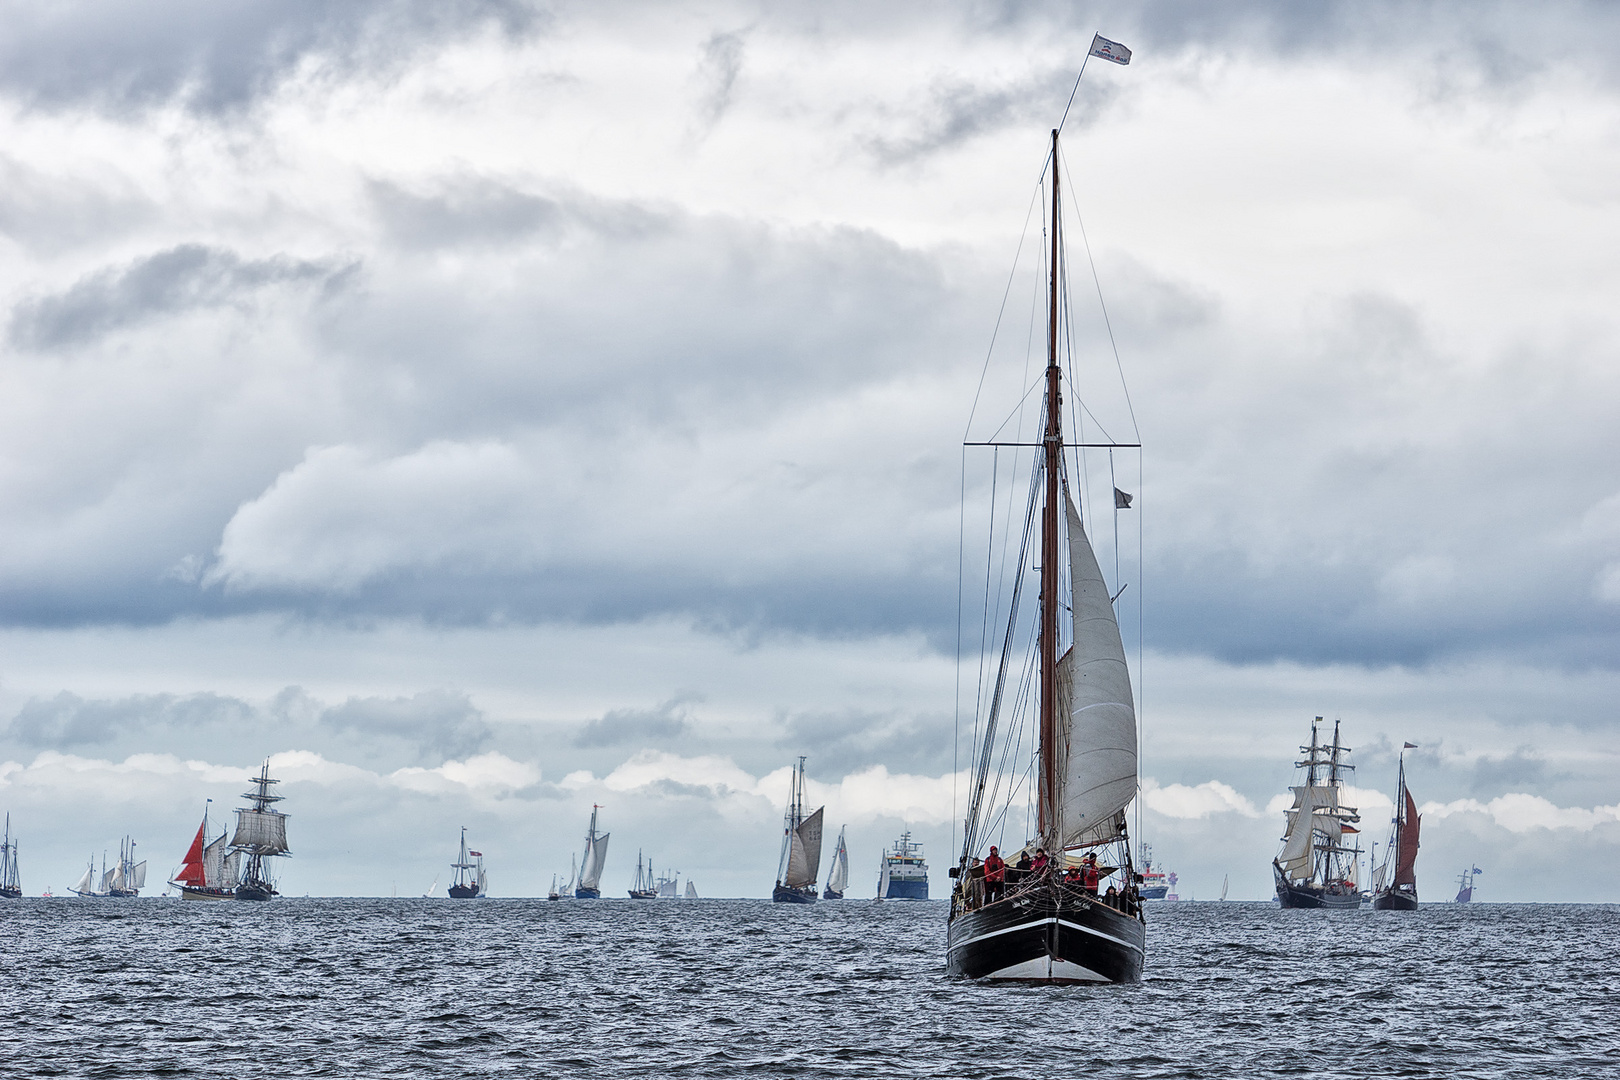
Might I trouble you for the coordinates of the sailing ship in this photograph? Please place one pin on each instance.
(10, 881)
(1465, 885)
(800, 862)
(127, 877)
(1223, 886)
(1400, 892)
(668, 884)
(208, 871)
(691, 890)
(838, 876)
(903, 874)
(644, 887)
(1317, 867)
(1043, 924)
(470, 882)
(591, 863)
(87, 887)
(261, 833)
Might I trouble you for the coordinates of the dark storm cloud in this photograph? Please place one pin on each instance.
(68, 722)
(639, 727)
(1522, 770)
(840, 743)
(440, 723)
(219, 57)
(181, 279)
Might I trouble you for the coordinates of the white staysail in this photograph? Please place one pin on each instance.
(87, 883)
(117, 880)
(1096, 715)
(804, 856)
(691, 890)
(263, 832)
(1295, 859)
(231, 874)
(483, 882)
(590, 874)
(107, 879)
(138, 877)
(214, 863)
(838, 880)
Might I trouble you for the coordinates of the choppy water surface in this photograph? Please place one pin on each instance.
(396, 988)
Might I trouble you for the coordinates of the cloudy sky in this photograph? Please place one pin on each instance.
(488, 409)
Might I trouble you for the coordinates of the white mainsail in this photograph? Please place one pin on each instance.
(138, 876)
(691, 890)
(804, 856)
(117, 881)
(590, 874)
(838, 880)
(107, 878)
(263, 832)
(231, 874)
(214, 863)
(87, 884)
(1096, 715)
(1295, 859)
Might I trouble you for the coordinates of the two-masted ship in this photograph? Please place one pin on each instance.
(261, 833)
(589, 882)
(10, 879)
(800, 863)
(838, 873)
(1064, 909)
(470, 882)
(1317, 865)
(209, 869)
(1398, 891)
(644, 887)
(1465, 885)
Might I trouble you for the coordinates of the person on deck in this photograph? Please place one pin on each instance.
(1088, 874)
(995, 876)
(1041, 862)
(1111, 897)
(1020, 869)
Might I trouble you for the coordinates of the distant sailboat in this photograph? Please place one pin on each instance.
(838, 876)
(128, 877)
(591, 863)
(10, 882)
(1223, 886)
(207, 872)
(1316, 867)
(1401, 891)
(691, 890)
(800, 862)
(261, 833)
(668, 884)
(1465, 885)
(469, 883)
(555, 893)
(433, 889)
(644, 887)
(87, 885)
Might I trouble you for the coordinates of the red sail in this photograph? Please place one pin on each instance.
(1407, 847)
(192, 872)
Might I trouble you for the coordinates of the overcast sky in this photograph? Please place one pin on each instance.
(488, 409)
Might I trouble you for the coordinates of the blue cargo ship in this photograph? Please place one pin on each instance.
(904, 875)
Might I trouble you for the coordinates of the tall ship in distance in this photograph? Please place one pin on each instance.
(128, 877)
(1465, 885)
(838, 876)
(261, 833)
(588, 885)
(470, 882)
(10, 880)
(643, 887)
(800, 863)
(669, 884)
(208, 871)
(1317, 866)
(904, 874)
(1399, 893)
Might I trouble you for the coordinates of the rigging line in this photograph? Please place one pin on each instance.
(961, 567)
(1034, 197)
(1101, 303)
(984, 618)
(1011, 744)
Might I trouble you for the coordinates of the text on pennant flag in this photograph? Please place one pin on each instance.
(1109, 50)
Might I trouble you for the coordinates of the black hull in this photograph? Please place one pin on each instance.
(1395, 900)
(587, 894)
(830, 895)
(10, 892)
(254, 892)
(1313, 896)
(786, 894)
(463, 892)
(1047, 935)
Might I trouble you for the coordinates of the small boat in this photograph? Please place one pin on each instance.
(1316, 867)
(1400, 892)
(10, 882)
(800, 862)
(903, 874)
(838, 876)
(1223, 887)
(1047, 923)
(591, 864)
(1465, 885)
(261, 833)
(691, 890)
(644, 888)
(207, 872)
(555, 893)
(470, 882)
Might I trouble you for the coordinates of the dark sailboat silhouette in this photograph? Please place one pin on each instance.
(1400, 892)
(470, 882)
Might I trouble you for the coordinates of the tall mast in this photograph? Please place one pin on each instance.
(1053, 449)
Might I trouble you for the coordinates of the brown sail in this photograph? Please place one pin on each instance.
(1406, 847)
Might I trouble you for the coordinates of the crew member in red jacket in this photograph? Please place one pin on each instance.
(995, 876)
(1088, 873)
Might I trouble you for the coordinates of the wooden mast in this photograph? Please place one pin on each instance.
(1053, 448)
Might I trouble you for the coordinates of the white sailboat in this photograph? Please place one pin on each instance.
(838, 876)
(800, 862)
(592, 862)
(691, 890)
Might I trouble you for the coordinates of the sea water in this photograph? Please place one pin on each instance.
(746, 988)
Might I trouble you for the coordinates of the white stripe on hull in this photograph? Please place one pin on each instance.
(1046, 922)
(1047, 969)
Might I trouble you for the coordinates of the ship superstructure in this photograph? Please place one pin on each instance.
(904, 874)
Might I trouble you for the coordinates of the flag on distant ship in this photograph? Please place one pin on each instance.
(1410, 746)
(1122, 499)
(1109, 50)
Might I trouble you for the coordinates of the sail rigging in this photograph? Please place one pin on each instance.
(261, 833)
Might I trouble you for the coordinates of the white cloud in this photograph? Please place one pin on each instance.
(1520, 812)
(1196, 801)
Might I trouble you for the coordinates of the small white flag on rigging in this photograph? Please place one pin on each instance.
(1109, 50)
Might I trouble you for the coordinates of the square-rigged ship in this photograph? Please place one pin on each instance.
(1317, 865)
(261, 833)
